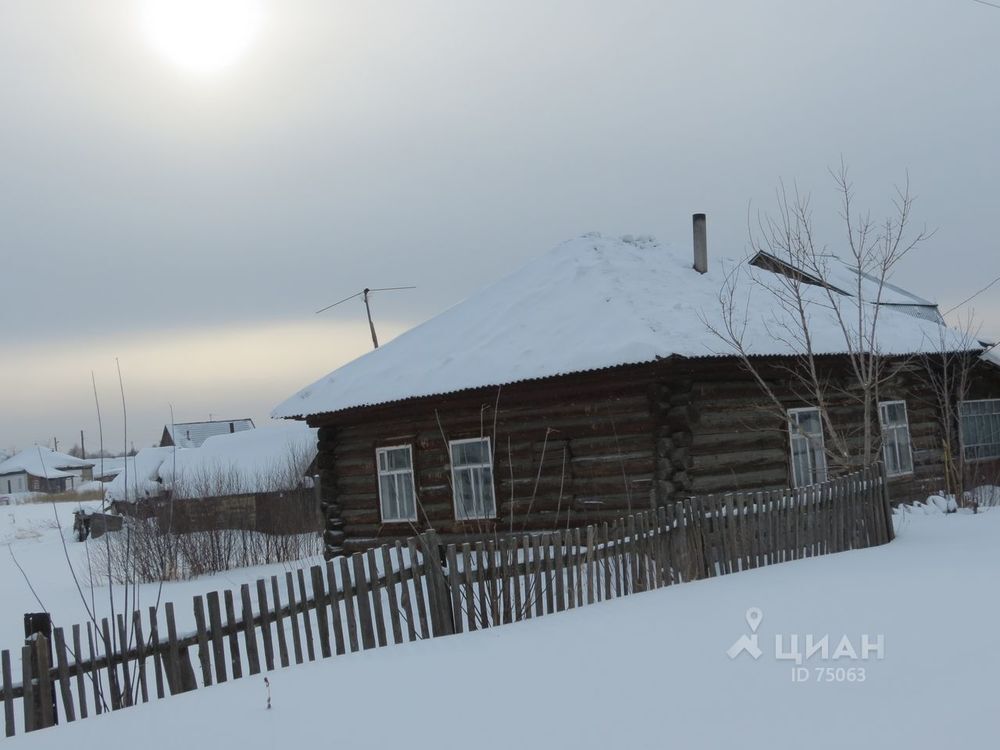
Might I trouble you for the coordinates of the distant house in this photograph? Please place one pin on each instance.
(39, 469)
(193, 434)
(587, 384)
(271, 459)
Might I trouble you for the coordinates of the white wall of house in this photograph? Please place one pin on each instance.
(13, 483)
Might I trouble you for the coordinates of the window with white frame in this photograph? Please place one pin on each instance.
(896, 447)
(980, 428)
(805, 431)
(397, 492)
(472, 478)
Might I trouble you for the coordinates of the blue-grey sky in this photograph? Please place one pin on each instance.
(190, 223)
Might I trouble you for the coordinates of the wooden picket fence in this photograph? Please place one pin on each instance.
(424, 589)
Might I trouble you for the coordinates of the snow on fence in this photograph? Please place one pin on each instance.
(423, 589)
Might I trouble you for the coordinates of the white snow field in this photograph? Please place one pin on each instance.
(29, 534)
(651, 670)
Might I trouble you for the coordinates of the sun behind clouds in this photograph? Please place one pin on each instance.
(201, 36)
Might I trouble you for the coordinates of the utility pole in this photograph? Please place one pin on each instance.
(55, 444)
(83, 449)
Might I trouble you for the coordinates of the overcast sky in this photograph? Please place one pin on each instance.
(190, 224)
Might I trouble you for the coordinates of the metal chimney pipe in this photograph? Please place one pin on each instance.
(700, 243)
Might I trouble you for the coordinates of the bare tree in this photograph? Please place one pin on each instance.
(802, 287)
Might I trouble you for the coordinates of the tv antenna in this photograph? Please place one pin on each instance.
(364, 294)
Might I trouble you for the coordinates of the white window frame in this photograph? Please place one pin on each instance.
(821, 473)
(487, 514)
(995, 414)
(896, 429)
(379, 452)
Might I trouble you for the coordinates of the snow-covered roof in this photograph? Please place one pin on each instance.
(40, 461)
(108, 467)
(138, 478)
(591, 303)
(268, 459)
(193, 434)
(261, 460)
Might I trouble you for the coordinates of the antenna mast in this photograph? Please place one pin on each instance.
(364, 294)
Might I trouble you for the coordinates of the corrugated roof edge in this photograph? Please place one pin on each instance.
(470, 389)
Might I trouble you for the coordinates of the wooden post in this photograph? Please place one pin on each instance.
(45, 694)
(8, 693)
(442, 618)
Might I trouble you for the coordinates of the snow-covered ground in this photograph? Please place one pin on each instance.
(649, 671)
(30, 535)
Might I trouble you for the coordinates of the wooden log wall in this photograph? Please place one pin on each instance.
(567, 452)
(582, 448)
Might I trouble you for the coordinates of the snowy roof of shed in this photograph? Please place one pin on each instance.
(193, 434)
(40, 461)
(590, 303)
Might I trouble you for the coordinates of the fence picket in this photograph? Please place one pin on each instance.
(455, 586)
(95, 675)
(569, 566)
(203, 656)
(293, 614)
(279, 622)
(391, 578)
(481, 573)
(215, 626)
(81, 685)
(140, 659)
(249, 634)
(320, 607)
(335, 595)
(376, 594)
(363, 601)
(348, 586)
(64, 688)
(123, 660)
(109, 663)
(304, 608)
(27, 689)
(232, 631)
(267, 637)
(538, 585)
(405, 575)
(505, 549)
(520, 543)
(470, 593)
